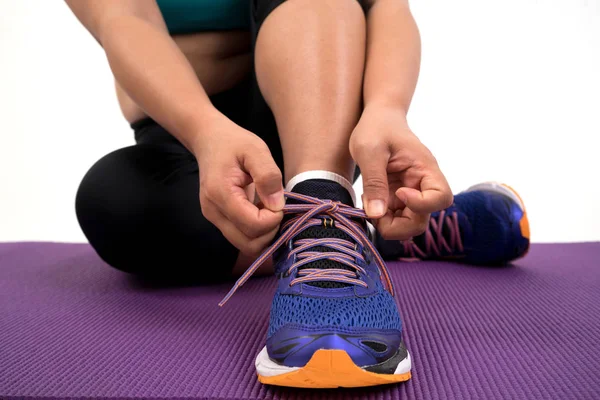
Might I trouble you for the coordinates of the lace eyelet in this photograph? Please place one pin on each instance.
(315, 207)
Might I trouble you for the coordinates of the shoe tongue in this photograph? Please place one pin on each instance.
(324, 189)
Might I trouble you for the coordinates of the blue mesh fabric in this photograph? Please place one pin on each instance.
(378, 311)
(493, 238)
(488, 213)
(487, 228)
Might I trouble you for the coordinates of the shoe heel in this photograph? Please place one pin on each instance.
(508, 191)
(500, 188)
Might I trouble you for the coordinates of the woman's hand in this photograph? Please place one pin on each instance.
(402, 181)
(231, 161)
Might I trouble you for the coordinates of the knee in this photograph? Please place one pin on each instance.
(105, 193)
(104, 210)
(335, 4)
(96, 192)
(338, 10)
(139, 225)
(332, 10)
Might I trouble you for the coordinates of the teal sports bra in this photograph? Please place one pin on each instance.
(189, 16)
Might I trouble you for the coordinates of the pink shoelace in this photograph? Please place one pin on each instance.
(342, 251)
(435, 242)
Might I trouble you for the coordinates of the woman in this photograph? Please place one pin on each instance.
(233, 100)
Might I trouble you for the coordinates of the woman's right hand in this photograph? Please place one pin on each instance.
(231, 160)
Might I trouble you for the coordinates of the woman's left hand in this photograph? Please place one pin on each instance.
(402, 181)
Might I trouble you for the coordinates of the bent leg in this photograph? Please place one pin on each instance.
(139, 208)
(309, 59)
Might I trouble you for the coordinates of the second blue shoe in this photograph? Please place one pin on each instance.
(486, 225)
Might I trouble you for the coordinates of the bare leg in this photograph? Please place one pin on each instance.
(310, 74)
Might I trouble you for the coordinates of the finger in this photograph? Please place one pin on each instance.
(246, 216)
(394, 203)
(435, 195)
(232, 234)
(247, 245)
(231, 201)
(266, 175)
(402, 225)
(373, 163)
(250, 191)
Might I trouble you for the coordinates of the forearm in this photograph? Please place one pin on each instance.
(149, 66)
(393, 55)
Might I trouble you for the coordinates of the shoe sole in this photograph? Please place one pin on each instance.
(506, 190)
(326, 369)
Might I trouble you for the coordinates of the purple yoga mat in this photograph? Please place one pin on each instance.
(71, 327)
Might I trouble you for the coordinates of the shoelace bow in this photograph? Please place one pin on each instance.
(435, 242)
(343, 251)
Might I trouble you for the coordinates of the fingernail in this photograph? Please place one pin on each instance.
(402, 196)
(375, 208)
(276, 201)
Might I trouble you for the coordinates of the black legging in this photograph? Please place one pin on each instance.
(139, 206)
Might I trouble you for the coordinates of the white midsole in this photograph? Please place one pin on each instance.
(498, 188)
(267, 367)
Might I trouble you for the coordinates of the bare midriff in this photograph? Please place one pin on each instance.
(221, 61)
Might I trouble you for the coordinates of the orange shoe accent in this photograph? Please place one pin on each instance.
(524, 223)
(331, 369)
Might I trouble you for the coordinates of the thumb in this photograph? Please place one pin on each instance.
(373, 168)
(426, 200)
(266, 177)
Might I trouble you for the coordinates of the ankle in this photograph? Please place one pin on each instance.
(324, 185)
(319, 170)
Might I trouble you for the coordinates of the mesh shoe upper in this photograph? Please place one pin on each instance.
(377, 311)
(481, 227)
(359, 316)
(492, 234)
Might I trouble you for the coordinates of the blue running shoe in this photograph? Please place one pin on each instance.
(334, 320)
(486, 225)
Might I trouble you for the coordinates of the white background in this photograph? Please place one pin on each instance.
(509, 91)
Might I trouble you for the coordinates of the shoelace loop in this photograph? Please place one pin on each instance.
(435, 241)
(342, 251)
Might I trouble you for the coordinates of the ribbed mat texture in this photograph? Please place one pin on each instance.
(71, 327)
